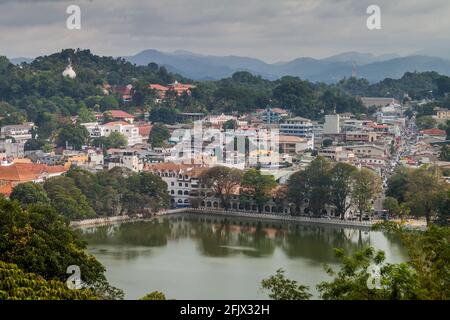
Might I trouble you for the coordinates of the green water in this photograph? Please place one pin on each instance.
(193, 258)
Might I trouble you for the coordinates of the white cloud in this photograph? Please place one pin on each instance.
(268, 29)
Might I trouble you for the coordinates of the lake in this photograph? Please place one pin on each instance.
(198, 257)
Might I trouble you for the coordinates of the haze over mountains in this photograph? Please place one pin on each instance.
(331, 69)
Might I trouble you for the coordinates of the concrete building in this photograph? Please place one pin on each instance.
(19, 132)
(130, 131)
(11, 149)
(293, 145)
(297, 126)
(182, 181)
(360, 136)
(332, 124)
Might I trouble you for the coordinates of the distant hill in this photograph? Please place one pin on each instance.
(20, 60)
(329, 70)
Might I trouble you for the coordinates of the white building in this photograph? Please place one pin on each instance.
(12, 149)
(20, 132)
(297, 126)
(125, 159)
(332, 124)
(182, 181)
(130, 131)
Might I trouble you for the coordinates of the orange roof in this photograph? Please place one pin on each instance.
(22, 172)
(290, 139)
(166, 166)
(144, 129)
(158, 87)
(120, 114)
(434, 132)
(115, 123)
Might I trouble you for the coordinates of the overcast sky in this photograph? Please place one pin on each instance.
(272, 30)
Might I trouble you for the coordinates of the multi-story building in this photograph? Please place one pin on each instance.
(332, 124)
(130, 131)
(297, 126)
(367, 150)
(360, 136)
(182, 181)
(11, 149)
(272, 115)
(19, 132)
(337, 153)
(124, 158)
(293, 145)
(442, 115)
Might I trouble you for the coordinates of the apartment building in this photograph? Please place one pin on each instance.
(298, 126)
(182, 181)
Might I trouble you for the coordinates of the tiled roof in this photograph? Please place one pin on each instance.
(116, 123)
(23, 172)
(119, 114)
(158, 87)
(290, 139)
(434, 132)
(144, 130)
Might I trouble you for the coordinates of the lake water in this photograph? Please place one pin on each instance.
(193, 257)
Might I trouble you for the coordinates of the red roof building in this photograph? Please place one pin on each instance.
(18, 173)
(120, 115)
(434, 132)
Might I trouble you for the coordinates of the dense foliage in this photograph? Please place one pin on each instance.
(39, 241)
(18, 285)
(120, 191)
(365, 275)
(422, 191)
(341, 185)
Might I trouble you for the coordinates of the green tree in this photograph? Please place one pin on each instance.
(397, 184)
(223, 181)
(366, 188)
(85, 115)
(74, 135)
(230, 125)
(158, 135)
(341, 177)
(39, 241)
(109, 103)
(392, 205)
(282, 288)
(425, 122)
(29, 193)
(425, 192)
(257, 186)
(313, 185)
(155, 295)
(18, 285)
(444, 155)
(164, 115)
(355, 280)
(67, 199)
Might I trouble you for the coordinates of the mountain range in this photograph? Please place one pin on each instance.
(329, 70)
(332, 69)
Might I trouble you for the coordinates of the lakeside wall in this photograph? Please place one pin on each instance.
(225, 214)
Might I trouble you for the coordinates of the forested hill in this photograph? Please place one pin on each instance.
(417, 85)
(38, 92)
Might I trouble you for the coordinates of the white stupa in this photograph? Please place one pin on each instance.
(69, 72)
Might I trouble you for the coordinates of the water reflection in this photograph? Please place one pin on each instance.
(221, 237)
